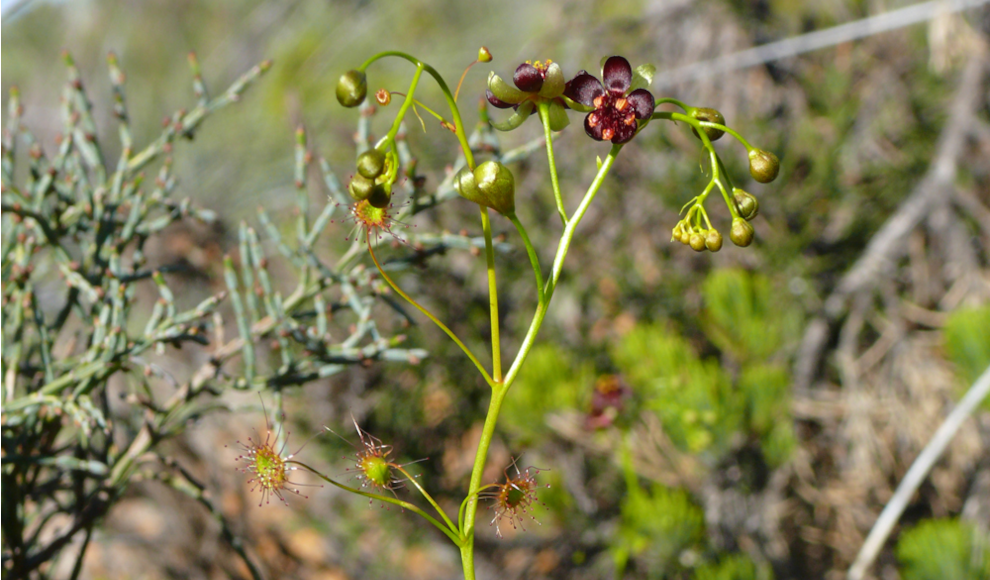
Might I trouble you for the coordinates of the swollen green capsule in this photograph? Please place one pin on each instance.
(710, 116)
(491, 184)
(763, 165)
(380, 196)
(371, 163)
(360, 187)
(352, 88)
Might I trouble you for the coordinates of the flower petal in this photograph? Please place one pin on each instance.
(623, 132)
(595, 132)
(503, 91)
(495, 101)
(583, 89)
(553, 82)
(642, 102)
(558, 116)
(617, 74)
(528, 78)
(521, 114)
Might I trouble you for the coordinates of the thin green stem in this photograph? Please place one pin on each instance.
(558, 262)
(486, 226)
(672, 116)
(454, 537)
(717, 168)
(429, 315)
(428, 497)
(671, 101)
(487, 432)
(533, 259)
(418, 103)
(499, 390)
(408, 102)
(544, 109)
(451, 102)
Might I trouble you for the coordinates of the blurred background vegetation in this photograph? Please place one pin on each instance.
(740, 415)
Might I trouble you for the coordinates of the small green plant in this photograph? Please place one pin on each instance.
(736, 567)
(945, 549)
(657, 528)
(967, 343)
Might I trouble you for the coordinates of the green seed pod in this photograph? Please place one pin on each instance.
(747, 204)
(763, 165)
(352, 88)
(380, 196)
(741, 233)
(713, 241)
(491, 185)
(710, 116)
(371, 163)
(360, 187)
(697, 242)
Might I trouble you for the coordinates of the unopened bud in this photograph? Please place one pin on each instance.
(352, 88)
(713, 241)
(747, 204)
(697, 242)
(709, 116)
(741, 233)
(763, 165)
(484, 55)
(383, 97)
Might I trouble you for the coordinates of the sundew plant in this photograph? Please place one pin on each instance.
(613, 107)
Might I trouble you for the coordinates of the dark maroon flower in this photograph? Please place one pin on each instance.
(607, 401)
(535, 82)
(617, 110)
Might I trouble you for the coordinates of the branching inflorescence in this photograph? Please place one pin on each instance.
(617, 107)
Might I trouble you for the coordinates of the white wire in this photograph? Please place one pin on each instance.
(814, 40)
(916, 474)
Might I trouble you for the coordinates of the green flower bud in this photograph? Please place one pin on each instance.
(371, 163)
(352, 88)
(491, 185)
(697, 242)
(380, 196)
(484, 55)
(686, 236)
(747, 204)
(763, 165)
(709, 116)
(713, 241)
(741, 233)
(360, 187)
